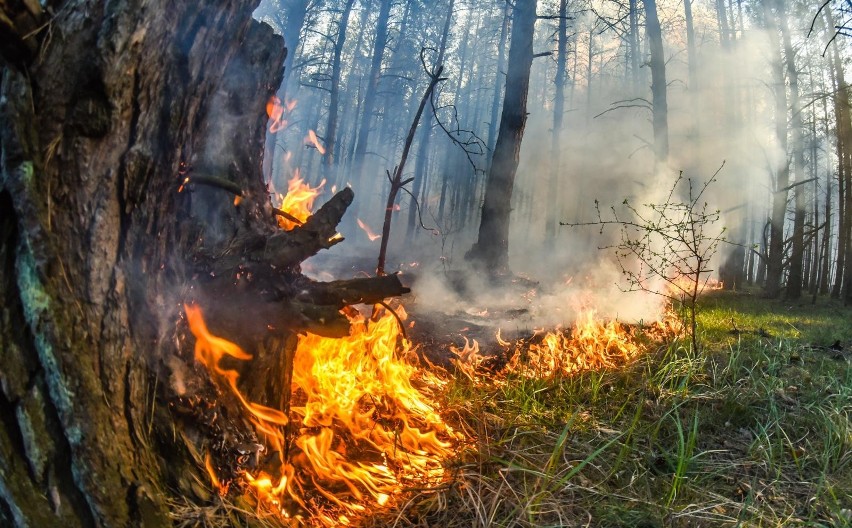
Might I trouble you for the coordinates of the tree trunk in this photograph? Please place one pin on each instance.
(843, 128)
(551, 220)
(372, 85)
(633, 40)
(334, 91)
(108, 116)
(658, 82)
(796, 275)
(501, 59)
(94, 229)
(425, 139)
(491, 250)
(775, 260)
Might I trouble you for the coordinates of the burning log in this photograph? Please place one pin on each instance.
(251, 286)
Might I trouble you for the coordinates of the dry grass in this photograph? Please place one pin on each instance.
(754, 431)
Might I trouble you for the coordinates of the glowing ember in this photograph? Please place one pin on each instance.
(370, 234)
(313, 140)
(298, 201)
(366, 426)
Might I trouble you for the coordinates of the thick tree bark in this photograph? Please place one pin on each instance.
(491, 250)
(97, 127)
(106, 112)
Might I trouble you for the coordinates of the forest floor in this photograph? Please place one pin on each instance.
(755, 429)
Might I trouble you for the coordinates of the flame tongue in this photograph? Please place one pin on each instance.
(298, 201)
(366, 428)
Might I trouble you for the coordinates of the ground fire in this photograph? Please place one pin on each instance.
(365, 423)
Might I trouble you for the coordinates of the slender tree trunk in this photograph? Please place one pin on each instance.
(724, 28)
(419, 187)
(658, 82)
(501, 59)
(551, 219)
(372, 85)
(775, 264)
(796, 275)
(491, 250)
(334, 91)
(633, 40)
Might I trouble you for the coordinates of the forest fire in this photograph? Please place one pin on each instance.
(363, 423)
(277, 111)
(369, 232)
(313, 140)
(298, 201)
(591, 344)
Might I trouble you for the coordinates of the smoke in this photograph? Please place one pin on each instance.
(721, 114)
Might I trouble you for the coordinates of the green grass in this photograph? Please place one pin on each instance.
(755, 430)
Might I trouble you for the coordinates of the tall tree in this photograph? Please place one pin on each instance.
(558, 114)
(775, 257)
(334, 89)
(96, 125)
(795, 277)
(491, 250)
(426, 134)
(370, 89)
(658, 82)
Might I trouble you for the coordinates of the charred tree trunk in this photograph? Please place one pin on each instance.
(491, 250)
(106, 111)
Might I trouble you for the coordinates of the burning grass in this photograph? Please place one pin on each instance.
(368, 431)
(363, 421)
(754, 430)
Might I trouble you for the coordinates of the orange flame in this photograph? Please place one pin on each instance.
(372, 236)
(276, 111)
(367, 427)
(591, 345)
(313, 140)
(298, 201)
